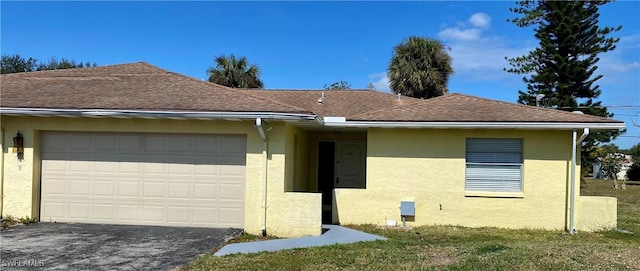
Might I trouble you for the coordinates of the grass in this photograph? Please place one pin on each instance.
(459, 248)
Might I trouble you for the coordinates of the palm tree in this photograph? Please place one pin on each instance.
(235, 72)
(420, 68)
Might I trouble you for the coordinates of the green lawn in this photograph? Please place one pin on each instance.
(458, 248)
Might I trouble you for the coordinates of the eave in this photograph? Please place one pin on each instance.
(152, 114)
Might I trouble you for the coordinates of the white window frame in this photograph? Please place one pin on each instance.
(502, 157)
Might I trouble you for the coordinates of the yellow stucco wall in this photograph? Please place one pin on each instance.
(422, 165)
(596, 213)
(297, 159)
(428, 166)
(289, 214)
(21, 178)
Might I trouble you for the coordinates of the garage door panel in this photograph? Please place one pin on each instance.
(179, 214)
(103, 164)
(206, 170)
(179, 190)
(130, 143)
(56, 186)
(128, 212)
(80, 188)
(82, 163)
(153, 213)
(150, 168)
(129, 188)
(55, 142)
(82, 143)
(130, 164)
(149, 179)
(155, 143)
(229, 216)
(227, 145)
(55, 210)
(230, 192)
(104, 212)
(183, 169)
(153, 190)
(106, 143)
(205, 191)
(79, 211)
(104, 187)
(205, 215)
(231, 170)
(180, 144)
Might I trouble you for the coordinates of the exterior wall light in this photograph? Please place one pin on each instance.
(18, 145)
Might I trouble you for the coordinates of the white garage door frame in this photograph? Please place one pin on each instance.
(193, 180)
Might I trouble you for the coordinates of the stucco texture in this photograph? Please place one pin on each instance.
(427, 166)
(288, 214)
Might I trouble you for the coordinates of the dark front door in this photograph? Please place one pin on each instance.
(326, 169)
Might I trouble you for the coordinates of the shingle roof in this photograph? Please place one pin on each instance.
(141, 86)
(335, 102)
(465, 108)
(136, 86)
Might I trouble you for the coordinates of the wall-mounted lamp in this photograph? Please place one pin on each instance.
(18, 145)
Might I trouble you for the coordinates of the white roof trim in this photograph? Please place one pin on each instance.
(477, 125)
(150, 114)
(326, 121)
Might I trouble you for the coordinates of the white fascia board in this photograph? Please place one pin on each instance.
(152, 114)
(479, 125)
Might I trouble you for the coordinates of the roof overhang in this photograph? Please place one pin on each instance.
(342, 122)
(150, 114)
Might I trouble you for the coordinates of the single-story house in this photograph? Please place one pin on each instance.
(136, 144)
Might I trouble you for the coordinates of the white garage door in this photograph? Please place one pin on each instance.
(145, 179)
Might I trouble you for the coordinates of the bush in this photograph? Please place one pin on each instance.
(8, 221)
(633, 173)
(27, 220)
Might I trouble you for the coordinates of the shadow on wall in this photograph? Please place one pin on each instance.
(451, 143)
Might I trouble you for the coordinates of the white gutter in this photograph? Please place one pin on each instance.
(336, 122)
(151, 114)
(265, 148)
(572, 197)
(2, 172)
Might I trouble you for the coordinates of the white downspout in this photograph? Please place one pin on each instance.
(572, 199)
(265, 148)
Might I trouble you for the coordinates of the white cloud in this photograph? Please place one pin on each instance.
(455, 33)
(625, 67)
(472, 30)
(480, 20)
(381, 82)
(477, 56)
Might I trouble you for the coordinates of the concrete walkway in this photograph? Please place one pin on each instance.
(334, 235)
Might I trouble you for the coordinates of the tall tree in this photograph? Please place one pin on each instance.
(235, 72)
(420, 68)
(16, 63)
(339, 85)
(563, 65)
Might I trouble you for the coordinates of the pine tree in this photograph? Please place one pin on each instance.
(563, 65)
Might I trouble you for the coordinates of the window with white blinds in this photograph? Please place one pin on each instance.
(494, 165)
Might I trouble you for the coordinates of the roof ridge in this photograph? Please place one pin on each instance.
(526, 106)
(209, 84)
(76, 68)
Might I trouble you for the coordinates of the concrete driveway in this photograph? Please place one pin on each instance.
(59, 246)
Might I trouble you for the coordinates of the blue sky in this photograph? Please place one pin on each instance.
(305, 45)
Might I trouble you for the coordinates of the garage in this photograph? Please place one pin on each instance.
(144, 179)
